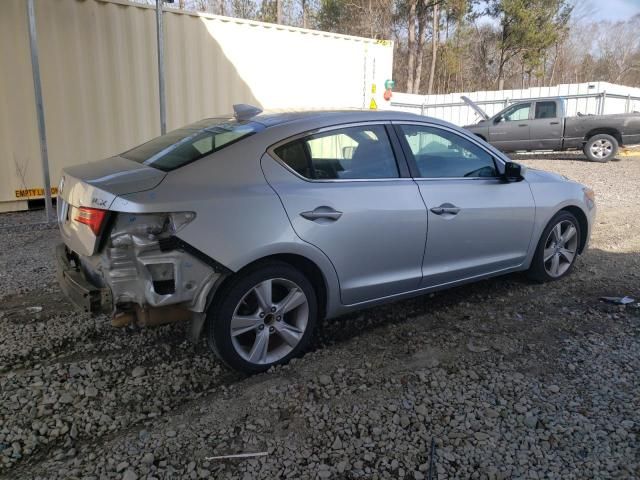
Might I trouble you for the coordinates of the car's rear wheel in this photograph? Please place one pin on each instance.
(601, 148)
(557, 249)
(263, 317)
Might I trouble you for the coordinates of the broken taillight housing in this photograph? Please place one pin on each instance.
(92, 217)
(152, 226)
(179, 220)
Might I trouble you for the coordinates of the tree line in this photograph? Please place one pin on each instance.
(444, 46)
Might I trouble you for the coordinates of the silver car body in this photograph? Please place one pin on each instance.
(387, 244)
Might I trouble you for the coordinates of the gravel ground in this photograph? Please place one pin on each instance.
(507, 379)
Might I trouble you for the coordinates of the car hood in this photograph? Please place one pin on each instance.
(97, 184)
(533, 174)
(475, 107)
(481, 123)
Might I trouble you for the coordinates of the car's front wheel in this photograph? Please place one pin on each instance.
(263, 317)
(557, 249)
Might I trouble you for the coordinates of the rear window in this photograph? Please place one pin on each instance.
(546, 110)
(188, 144)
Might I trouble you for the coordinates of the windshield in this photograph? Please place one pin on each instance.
(188, 144)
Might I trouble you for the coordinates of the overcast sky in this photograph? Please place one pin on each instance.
(613, 9)
(594, 10)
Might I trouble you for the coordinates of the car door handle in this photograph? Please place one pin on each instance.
(322, 213)
(523, 125)
(445, 208)
(554, 123)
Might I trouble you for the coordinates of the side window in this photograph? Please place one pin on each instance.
(517, 113)
(349, 153)
(294, 155)
(546, 110)
(443, 154)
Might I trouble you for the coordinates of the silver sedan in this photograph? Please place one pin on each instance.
(256, 226)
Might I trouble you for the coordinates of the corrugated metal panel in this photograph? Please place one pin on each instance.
(99, 78)
(213, 62)
(98, 65)
(19, 148)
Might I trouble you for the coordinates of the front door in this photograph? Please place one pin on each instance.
(478, 224)
(510, 130)
(343, 193)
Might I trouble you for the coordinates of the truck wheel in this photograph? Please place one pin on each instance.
(601, 148)
(264, 317)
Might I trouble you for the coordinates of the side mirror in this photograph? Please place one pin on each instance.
(513, 172)
(499, 119)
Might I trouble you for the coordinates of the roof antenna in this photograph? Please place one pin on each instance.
(242, 111)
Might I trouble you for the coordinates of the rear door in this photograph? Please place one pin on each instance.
(345, 193)
(478, 224)
(546, 126)
(510, 130)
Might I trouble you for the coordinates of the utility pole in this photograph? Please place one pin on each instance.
(161, 95)
(37, 89)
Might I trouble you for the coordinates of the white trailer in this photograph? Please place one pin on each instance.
(99, 75)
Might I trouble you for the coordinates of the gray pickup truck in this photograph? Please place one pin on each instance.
(541, 124)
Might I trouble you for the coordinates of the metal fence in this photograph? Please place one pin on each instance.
(596, 98)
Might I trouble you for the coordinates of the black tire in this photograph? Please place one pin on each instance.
(220, 313)
(538, 270)
(607, 154)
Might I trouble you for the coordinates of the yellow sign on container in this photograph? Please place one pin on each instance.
(34, 192)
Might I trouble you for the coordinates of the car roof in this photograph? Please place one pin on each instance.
(280, 125)
(275, 117)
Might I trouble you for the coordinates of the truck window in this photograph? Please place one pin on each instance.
(546, 110)
(517, 113)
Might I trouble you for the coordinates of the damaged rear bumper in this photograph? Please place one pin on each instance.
(82, 293)
(143, 274)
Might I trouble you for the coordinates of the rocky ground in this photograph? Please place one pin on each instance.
(504, 378)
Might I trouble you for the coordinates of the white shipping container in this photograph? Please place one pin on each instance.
(99, 78)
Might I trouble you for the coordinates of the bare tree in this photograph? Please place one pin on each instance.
(411, 44)
(305, 17)
(434, 47)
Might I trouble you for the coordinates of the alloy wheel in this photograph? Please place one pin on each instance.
(269, 321)
(560, 248)
(601, 148)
